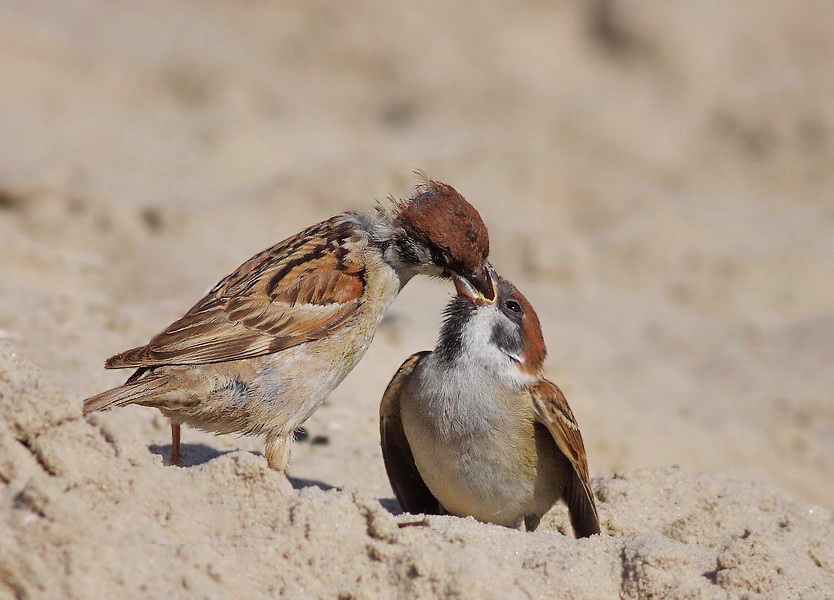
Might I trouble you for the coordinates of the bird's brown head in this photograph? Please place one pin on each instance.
(441, 234)
(502, 335)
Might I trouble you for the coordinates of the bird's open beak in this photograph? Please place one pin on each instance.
(480, 287)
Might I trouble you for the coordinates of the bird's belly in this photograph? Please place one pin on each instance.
(295, 386)
(276, 393)
(490, 477)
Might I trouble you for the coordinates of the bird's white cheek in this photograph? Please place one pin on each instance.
(484, 355)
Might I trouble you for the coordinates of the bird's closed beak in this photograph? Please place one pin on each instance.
(478, 286)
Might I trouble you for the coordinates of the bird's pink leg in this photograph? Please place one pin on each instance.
(176, 455)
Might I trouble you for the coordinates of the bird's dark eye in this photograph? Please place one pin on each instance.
(513, 306)
(437, 256)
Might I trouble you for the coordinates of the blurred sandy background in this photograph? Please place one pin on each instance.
(656, 177)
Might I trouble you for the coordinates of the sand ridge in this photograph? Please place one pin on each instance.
(122, 524)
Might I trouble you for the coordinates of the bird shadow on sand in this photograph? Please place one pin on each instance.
(198, 454)
(193, 454)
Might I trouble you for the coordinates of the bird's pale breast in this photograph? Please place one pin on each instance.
(482, 456)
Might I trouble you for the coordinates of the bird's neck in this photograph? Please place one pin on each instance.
(463, 378)
(382, 234)
(462, 399)
(467, 348)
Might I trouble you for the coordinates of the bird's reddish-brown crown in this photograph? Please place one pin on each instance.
(441, 217)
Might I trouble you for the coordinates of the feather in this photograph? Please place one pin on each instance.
(300, 290)
(553, 412)
(409, 488)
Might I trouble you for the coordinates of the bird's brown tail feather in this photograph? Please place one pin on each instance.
(123, 395)
(583, 510)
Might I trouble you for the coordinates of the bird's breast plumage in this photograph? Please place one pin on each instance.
(475, 445)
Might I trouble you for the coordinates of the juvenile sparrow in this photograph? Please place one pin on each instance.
(264, 348)
(473, 429)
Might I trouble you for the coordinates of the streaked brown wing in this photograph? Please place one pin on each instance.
(553, 412)
(299, 290)
(411, 491)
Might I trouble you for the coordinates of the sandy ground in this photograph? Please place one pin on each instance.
(656, 178)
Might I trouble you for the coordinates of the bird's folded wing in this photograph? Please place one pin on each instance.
(553, 412)
(411, 491)
(299, 290)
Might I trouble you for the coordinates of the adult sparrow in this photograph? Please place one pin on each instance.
(264, 348)
(473, 429)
